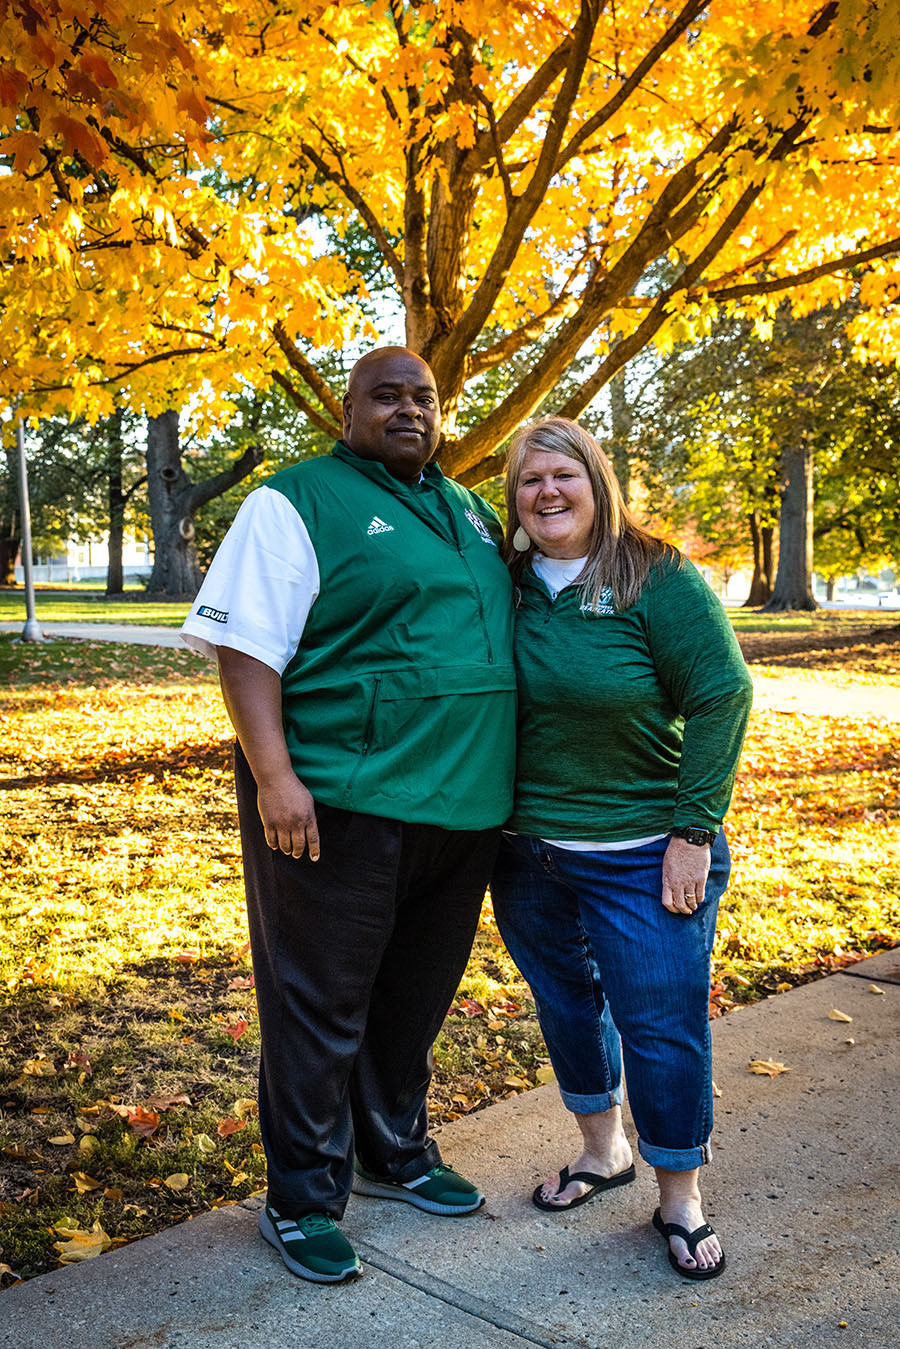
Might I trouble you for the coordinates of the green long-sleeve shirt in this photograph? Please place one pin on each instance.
(629, 723)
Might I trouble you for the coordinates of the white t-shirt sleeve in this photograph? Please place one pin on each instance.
(260, 586)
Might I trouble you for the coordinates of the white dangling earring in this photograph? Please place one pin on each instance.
(520, 540)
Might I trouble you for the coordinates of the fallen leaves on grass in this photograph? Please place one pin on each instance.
(237, 1028)
(178, 1181)
(167, 1102)
(230, 1126)
(143, 1122)
(78, 1059)
(78, 1244)
(84, 1183)
(767, 1067)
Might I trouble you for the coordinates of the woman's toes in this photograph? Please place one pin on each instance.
(551, 1193)
(708, 1253)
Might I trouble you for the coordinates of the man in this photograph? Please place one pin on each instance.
(361, 617)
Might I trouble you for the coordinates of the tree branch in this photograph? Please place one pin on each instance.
(210, 488)
(524, 102)
(356, 199)
(563, 306)
(307, 372)
(525, 206)
(691, 11)
(810, 274)
(311, 413)
(488, 106)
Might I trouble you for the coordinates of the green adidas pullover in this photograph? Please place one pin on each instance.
(400, 699)
(629, 723)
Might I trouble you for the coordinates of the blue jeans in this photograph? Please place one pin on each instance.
(605, 960)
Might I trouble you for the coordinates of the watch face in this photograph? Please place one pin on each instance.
(698, 836)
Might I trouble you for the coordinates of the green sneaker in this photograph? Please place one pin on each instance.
(311, 1246)
(441, 1190)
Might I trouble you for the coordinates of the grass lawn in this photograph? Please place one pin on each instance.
(87, 604)
(826, 621)
(128, 1033)
(80, 606)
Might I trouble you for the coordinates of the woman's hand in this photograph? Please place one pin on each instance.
(684, 872)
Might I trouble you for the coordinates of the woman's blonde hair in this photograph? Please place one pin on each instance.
(620, 553)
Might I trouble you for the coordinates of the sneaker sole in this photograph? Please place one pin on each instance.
(375, 1189)
(268, 1231)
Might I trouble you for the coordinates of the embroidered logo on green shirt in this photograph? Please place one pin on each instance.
(602, 605)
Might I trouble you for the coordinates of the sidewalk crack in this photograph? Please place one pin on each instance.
(464, 1301)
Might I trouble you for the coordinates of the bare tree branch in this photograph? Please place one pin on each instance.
(210, 488)
(524, 102)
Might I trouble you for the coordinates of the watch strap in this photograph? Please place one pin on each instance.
(696, 835)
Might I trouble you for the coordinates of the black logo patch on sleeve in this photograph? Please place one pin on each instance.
(217, 615)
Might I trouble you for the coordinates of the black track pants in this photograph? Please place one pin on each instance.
(356, 958)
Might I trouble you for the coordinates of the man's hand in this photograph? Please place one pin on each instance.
(684, 872)
(252, 693)
(288, 813)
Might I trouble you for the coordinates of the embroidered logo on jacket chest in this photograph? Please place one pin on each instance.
(477, 522)
(378, 526)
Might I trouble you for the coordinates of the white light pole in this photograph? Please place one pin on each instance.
(31, 631)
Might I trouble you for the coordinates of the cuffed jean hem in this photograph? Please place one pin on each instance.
(675, 1159)
(597, 1103)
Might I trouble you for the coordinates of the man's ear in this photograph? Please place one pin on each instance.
(347, 409)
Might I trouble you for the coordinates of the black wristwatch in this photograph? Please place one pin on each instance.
(701, 837)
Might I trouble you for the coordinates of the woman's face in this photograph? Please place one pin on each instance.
(556, 504)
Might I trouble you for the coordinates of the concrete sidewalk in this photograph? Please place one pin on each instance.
(104, 632)
(804, 1190)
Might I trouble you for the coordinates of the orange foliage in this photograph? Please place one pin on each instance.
(181, 181)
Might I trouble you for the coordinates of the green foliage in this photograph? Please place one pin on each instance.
(716, 415)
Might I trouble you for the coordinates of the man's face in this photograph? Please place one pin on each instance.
(391, 412)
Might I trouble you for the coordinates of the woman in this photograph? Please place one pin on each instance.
(633, 703)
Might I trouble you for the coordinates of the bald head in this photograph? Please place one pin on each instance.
(391, 411)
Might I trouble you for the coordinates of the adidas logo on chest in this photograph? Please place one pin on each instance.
(378, 526)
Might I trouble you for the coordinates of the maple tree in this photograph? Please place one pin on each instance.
(539, 183)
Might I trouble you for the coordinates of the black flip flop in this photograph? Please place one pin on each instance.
(692, 1241)
(597, 1184)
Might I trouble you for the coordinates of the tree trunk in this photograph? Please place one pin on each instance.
(829, 588)
(173, 498)
(761, 581)
(116, 498)
(176, 573)
(9, 522)
(793, 582)
(622, 426)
